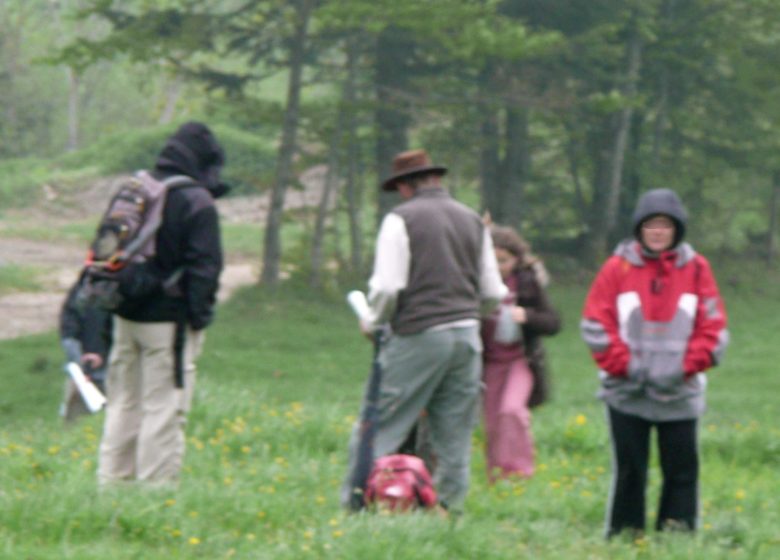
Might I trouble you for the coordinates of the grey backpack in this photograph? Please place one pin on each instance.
(125, 236)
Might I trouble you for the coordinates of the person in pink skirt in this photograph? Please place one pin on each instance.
(514, 370)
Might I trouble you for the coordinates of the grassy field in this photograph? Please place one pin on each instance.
(280, 382)
(18, 278)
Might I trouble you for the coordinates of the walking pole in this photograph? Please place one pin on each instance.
(370, 416)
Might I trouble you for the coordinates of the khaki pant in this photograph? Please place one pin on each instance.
(143, 434)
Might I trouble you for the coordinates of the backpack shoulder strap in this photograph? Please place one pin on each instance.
(153, 219)
(179, 181)
(168, 182)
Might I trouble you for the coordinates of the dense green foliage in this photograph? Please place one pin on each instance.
(249, 156)
(279, 385)
(249, 163)
(21, 180)
(557, 114)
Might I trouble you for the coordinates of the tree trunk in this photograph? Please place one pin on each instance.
(73, 109)
(354, 206)
(331, 183)
(599, 142)
(660, 118)
(515, 167)
(489, 167)
(572, 156)
(272, 250)
(632, 178)
(354, 189)
(622, 135)
(173, 88)
(391, 117)
(664, 89)
(489, 150)
(606, 213)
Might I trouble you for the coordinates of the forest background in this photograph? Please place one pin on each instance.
(552, 114)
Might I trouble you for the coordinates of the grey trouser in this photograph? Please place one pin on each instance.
(440, 372)
(143, 434)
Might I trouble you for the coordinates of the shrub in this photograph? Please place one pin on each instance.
(250, 159)
(250, 162)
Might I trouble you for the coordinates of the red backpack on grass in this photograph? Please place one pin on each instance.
(400, 483)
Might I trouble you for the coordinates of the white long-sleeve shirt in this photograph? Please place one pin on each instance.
(391, 274)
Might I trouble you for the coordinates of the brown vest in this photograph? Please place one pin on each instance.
(445, 239)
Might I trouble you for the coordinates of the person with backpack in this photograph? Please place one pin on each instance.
(434, 273)
(514, 365)
(85, 336)
(167, 301)
(654, 322)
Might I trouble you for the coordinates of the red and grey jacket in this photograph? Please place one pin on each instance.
(653, 325)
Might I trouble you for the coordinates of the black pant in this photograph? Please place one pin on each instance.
(679, 464)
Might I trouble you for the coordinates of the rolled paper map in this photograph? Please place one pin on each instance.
(357, 301)
(92, 396)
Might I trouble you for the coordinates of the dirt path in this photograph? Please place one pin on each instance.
(25, 313)
(34, 312)
(59, 263)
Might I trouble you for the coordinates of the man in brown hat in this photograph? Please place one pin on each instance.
(434, 275)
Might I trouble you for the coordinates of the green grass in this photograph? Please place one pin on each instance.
(279, 384)
(15, 278)
(81, 231)
(243, 240)
(21, 181)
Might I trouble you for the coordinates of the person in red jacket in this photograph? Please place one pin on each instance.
(654, 322)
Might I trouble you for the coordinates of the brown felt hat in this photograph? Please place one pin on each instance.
(406, 164)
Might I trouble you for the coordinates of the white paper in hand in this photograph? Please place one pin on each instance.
(507, 330)
(92, 396)
(357, 301)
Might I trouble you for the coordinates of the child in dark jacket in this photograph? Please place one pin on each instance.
(514, 371)
(85, 336)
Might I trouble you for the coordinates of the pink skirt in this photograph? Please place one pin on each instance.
(510, 445)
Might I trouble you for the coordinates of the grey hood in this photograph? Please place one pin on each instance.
(661, 201)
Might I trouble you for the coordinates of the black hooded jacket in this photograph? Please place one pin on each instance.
(188, 241)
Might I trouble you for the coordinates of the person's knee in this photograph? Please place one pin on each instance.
(521, 418)
(686, 477)
(629, 475)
